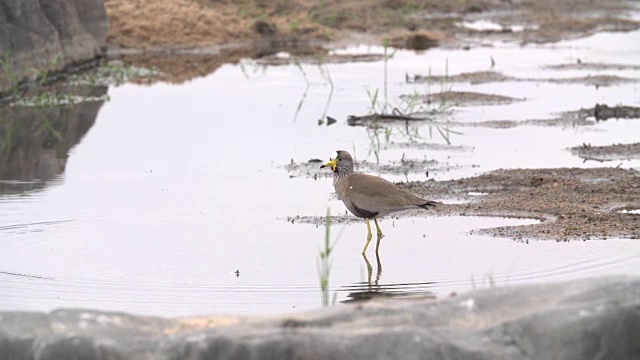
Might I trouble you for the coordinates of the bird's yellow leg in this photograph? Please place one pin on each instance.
(369, 236)
(380, 235)
(369, 270)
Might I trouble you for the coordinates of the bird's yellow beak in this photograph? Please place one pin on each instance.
(333, 164)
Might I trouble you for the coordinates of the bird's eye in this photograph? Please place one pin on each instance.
(338, 159)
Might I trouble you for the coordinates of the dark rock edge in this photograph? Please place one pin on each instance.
(579, 319)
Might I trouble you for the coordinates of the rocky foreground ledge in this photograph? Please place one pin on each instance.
(586, 319)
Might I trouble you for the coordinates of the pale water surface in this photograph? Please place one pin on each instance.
(176, 187)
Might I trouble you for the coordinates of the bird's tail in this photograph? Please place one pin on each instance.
(428, 204)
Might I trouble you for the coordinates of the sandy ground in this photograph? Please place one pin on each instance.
(572, 203)
(196, 23)
(584, 204)
(255, 28)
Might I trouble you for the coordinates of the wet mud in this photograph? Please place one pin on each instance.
(572, 203)
(608, 152)
(466, 98)
(575, 118)
(476, 77)
(604, 112)
(483, 77)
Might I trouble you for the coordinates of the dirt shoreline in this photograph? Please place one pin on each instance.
(148, 24)
(571, 203)
(206, 33)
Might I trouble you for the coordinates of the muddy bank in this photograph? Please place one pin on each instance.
(571, 203)
(607, 153)
(575, 118)
(483, 77)
(465, 98)
(581, 117)
(258, 28)
(197, 23)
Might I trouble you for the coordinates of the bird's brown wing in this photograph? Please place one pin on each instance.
(377, 195)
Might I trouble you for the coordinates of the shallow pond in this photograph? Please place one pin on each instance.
(174, 199)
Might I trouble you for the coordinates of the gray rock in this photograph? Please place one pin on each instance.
(48, 35)
(585, 319)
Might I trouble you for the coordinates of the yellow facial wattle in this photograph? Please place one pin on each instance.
(333, 164)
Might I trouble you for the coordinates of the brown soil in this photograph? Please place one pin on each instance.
(168, 23)
(255, 28)
(196, 23)
(572, 203)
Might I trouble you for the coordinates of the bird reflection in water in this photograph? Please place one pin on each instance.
(372, 288)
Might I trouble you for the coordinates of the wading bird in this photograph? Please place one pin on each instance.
(369, 197)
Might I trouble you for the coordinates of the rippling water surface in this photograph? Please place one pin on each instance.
(173, 199)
